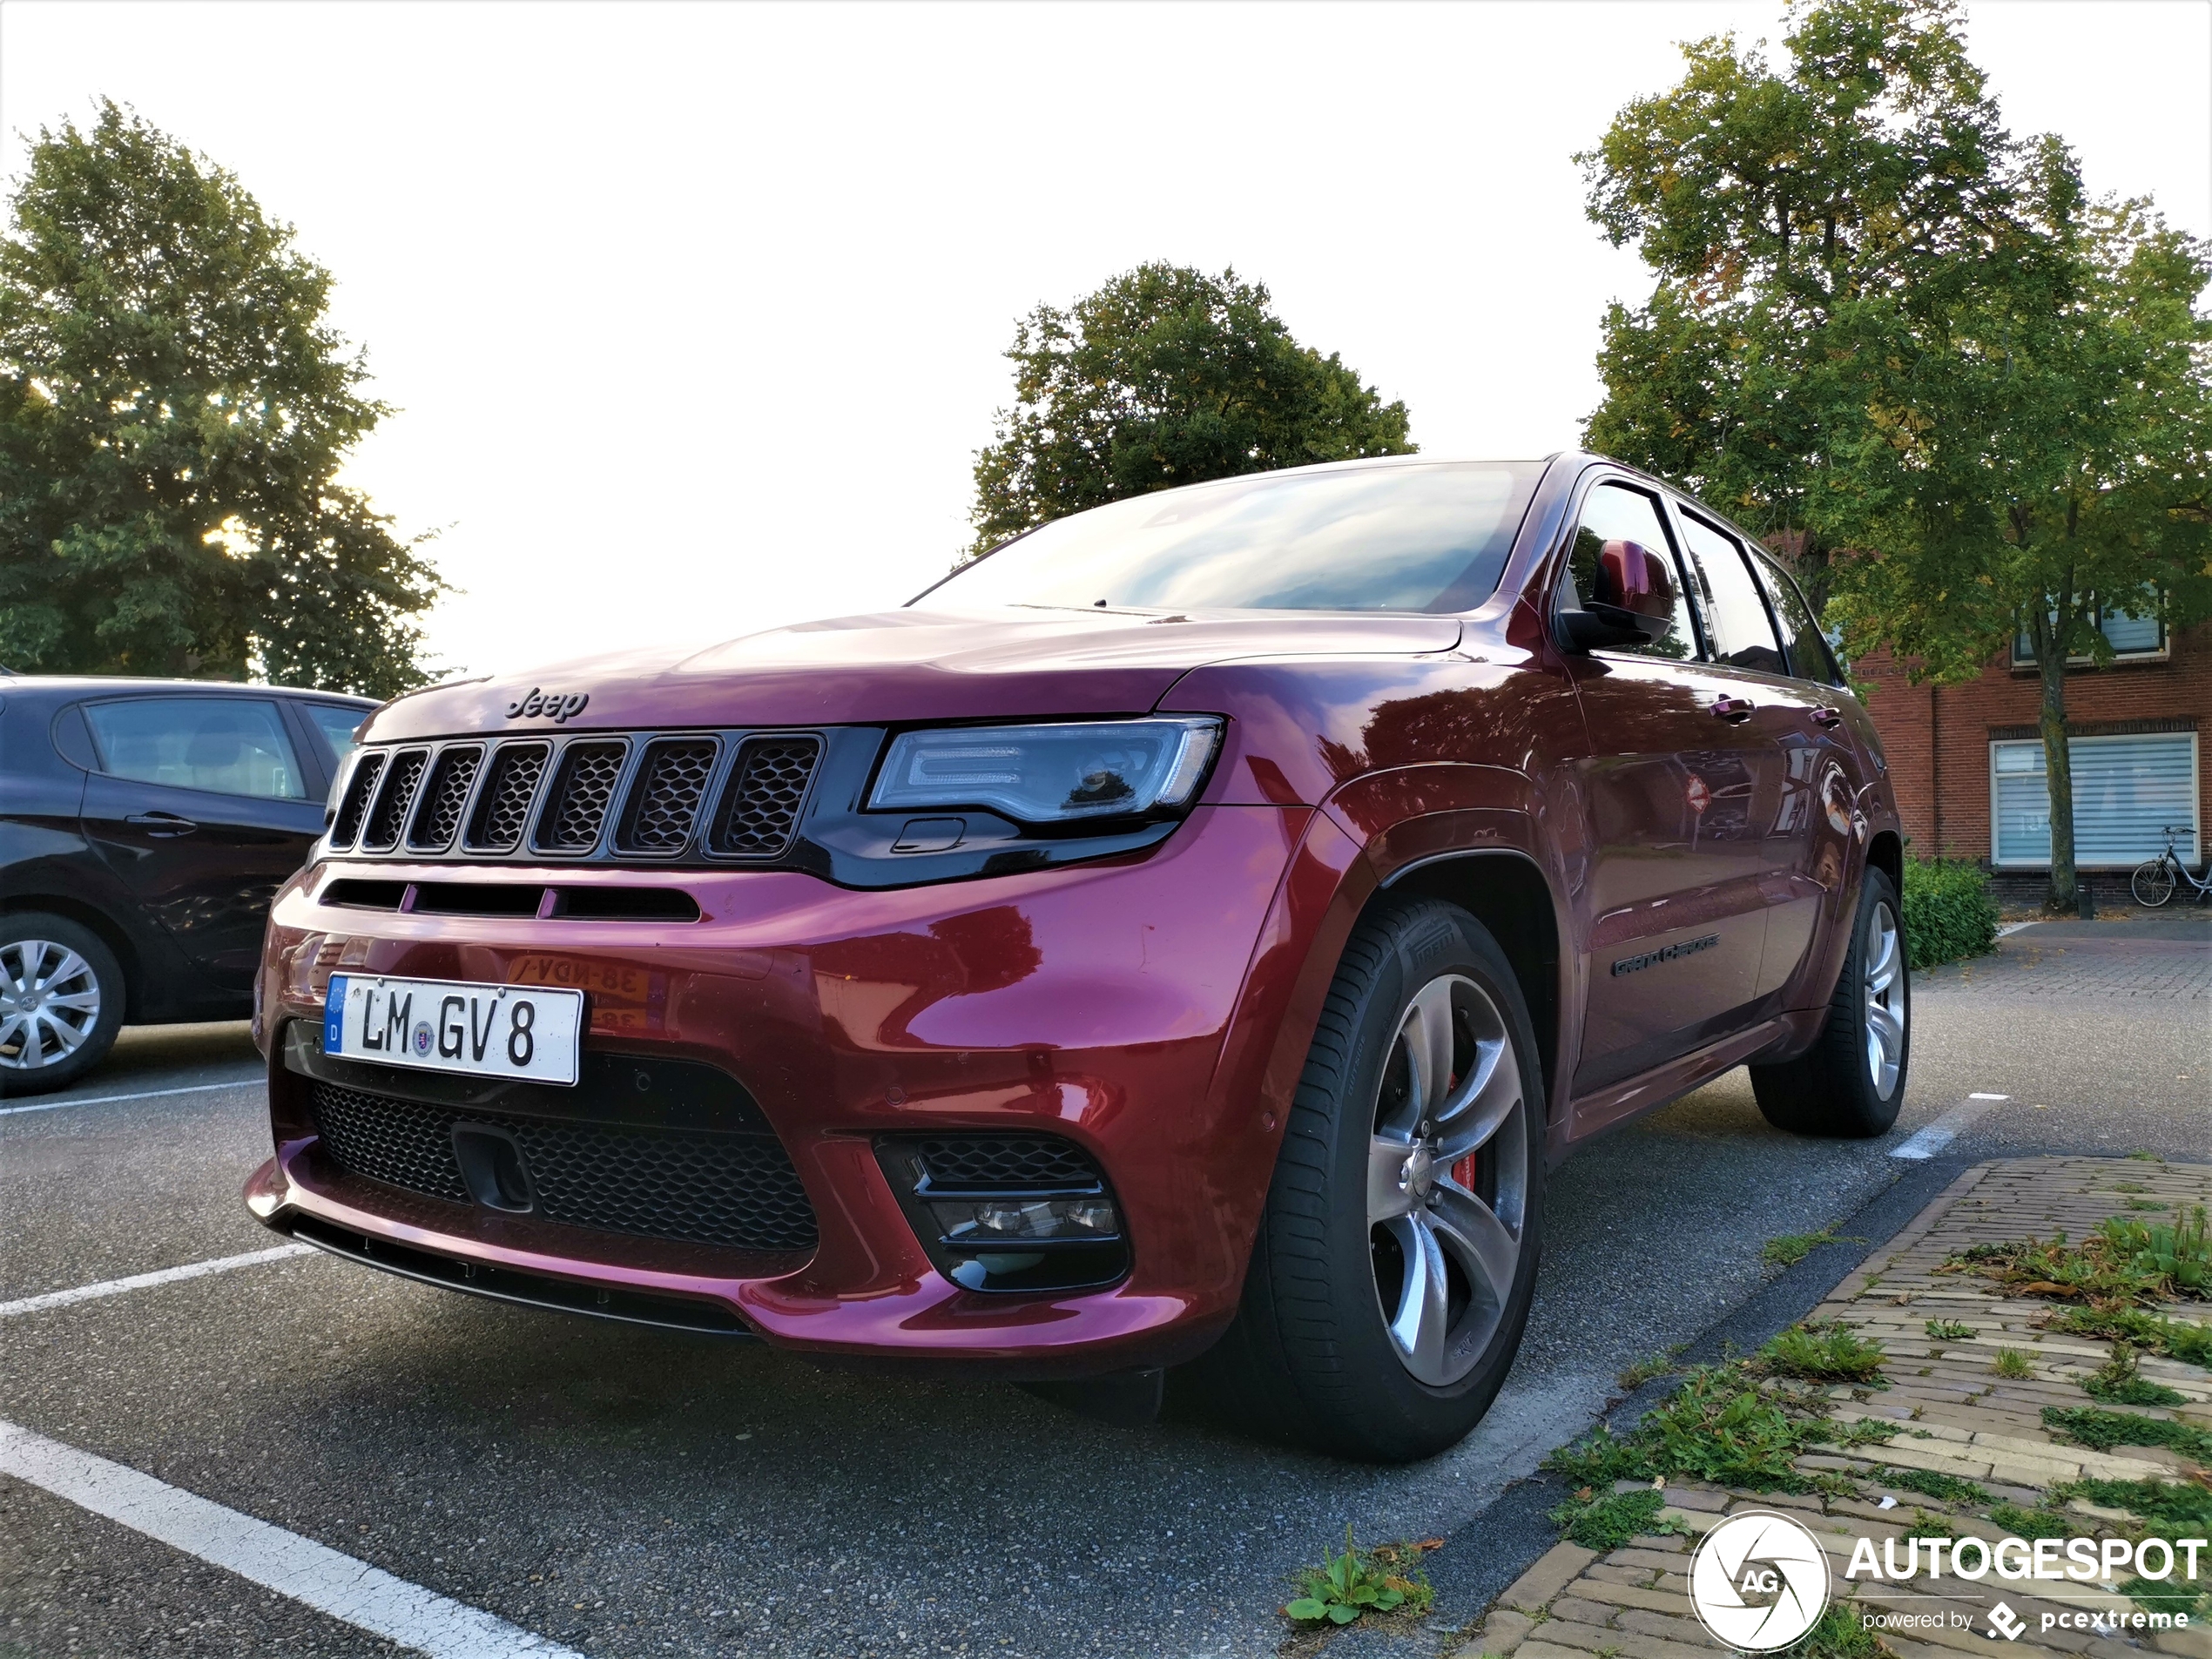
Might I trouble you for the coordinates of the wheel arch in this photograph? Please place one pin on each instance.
(98, 922)
(1886, 854)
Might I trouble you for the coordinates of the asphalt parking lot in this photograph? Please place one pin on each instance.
(617, 1491)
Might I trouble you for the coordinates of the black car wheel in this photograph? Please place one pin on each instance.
(1395, 1262)
(1850, 1082)
(61, 1001)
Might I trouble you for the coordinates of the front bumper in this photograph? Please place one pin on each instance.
(1120, 1005)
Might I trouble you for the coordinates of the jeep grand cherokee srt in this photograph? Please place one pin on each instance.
(1186, 935)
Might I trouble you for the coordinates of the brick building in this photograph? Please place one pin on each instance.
(1967, 761)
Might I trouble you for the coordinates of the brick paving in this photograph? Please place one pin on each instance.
(1961, 1420)
(2152, 959)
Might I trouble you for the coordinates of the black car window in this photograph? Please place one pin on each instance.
(1742, 632)
(337, 723)
(231, 745)
(1810, 658)
(1618, 513)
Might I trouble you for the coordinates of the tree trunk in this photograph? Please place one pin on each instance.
(2058, 765)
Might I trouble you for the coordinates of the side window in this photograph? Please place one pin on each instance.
(1807, 647)
(229, 745)
(337, 724)
(1618, 513)
(1742, 632)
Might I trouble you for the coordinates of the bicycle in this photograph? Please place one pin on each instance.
(2154, 879)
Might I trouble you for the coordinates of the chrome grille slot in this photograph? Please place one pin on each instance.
(439, 815)
(355, 806)
(761, 802)
(503, 807)
(576, 808)
(664, 803)
(383, 829)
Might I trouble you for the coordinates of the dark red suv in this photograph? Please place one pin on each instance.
(1186, 935)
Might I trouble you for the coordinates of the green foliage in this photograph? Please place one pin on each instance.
(174, 412)
(1949, 1329)
(1948, 912)
(2117, 1380)
(1789, 1249)
(2180, 1251)
(1838, 1634)
(2153, 1333)
(2103, 1430)
(1166, 375)
(1652, 1367)
(2033, 1523)
(2010, 1362)
(2146, 1204)
(2168, 1509)
(1883, 324)
(1950, 1489)
(1359, 1581)
(1610, 1521)
(2123, 1264)
(1831, 1352)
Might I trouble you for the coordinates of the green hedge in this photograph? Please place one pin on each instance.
(1948, 912)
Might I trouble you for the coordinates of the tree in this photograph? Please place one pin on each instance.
(173, 413)
(1902, 344)
(1166, 375)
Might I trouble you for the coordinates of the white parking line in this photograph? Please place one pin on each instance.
(1945, 1129)
(109, 1100)
(284, 1561)
(142, 1281)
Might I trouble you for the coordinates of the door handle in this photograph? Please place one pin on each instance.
(1732, 708)
(161, 823)
(1827, 717)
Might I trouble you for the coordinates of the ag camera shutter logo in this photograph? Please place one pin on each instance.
(1759, 1580)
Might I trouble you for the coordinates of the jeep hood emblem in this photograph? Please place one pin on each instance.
(556, 705)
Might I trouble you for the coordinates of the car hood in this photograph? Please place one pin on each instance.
(909, 664)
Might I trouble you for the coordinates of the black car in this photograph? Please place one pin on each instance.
(144, 825)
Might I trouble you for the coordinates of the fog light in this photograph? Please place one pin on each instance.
(973, 1220)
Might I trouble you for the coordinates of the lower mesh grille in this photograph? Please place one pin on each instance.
(695, 1186)
(1012, 1161)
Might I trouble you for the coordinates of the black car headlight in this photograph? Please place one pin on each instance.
(1064, 773)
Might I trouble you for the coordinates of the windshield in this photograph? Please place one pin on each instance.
(1429, 537)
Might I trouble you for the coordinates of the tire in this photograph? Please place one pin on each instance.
(61, 989)
(1352, 1227)
(2153, 882)
(1850, 1082)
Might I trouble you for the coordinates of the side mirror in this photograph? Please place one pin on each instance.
(1633, 601)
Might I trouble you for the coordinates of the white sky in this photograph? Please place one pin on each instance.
(693, 314)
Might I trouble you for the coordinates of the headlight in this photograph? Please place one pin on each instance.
(1051, 774)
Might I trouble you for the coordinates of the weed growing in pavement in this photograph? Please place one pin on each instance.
(1949, 1329)
(1832, 1352)
(2179, 1252)
(1931, 1483)
(1790, 1249)
(2146, 1157)
(1925, 1525)
(2101, 1430)
(2127, 1186)
(2033, 1523)
(2153, 1333)
(1359, 1581)
(2167, 1509)
(1652, 1367)
(2146, 1204)
(2010, 1362)
(2116, 1380)
(1607, 1522)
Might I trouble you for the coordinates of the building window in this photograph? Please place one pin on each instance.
(2129, 636)
(2126, 790)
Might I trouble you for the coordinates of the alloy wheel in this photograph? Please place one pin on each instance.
(1448, 1179)
(49, 1003)
(1884, 980)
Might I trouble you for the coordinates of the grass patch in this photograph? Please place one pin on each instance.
(1360, 1581)
(2146, 1157)
(1836, 1635)
(2128, 1186)
(1925, 1525)
(1652, 1367)
(1789, 1249)
(2168, 1509)
(2101, 1430)
(1949, 1329)
(1932, 1483)
(2010, 1362)
(2146, 1204)
(2123, 1264)
(1607, 1523)
(2152, 1332)
(2035, 1523)
(1831, 1352)
(2116, 1380)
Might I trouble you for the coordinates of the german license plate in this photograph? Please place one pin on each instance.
(531, 1032)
